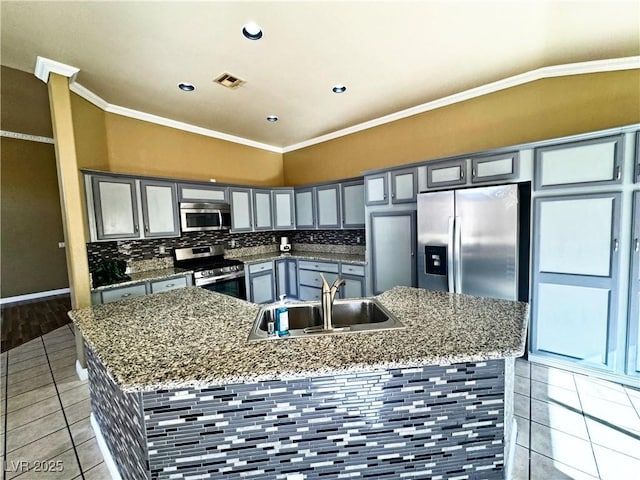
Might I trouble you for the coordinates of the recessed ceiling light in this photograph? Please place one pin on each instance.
(252, 31)
(186, 87)
(272, 118)
(339, 89)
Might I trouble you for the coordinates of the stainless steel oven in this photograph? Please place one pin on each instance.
(200, 217)
(211, 270)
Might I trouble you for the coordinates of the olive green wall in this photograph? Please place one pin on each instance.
(539, 110)
(30, 218)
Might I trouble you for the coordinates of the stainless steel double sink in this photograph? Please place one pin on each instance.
(305, 319)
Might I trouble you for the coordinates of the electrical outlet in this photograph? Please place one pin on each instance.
(273, 239)
(162, 249)
(311, 238)
(60, 244)
(232, 243)
(358, 239)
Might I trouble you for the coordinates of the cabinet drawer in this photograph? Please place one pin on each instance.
(260, 267)
(310, 293)
(125, 292)
(319, 266)
(312, 278)
(166, 285)
(353, 269)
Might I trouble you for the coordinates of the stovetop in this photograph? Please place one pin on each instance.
(207, 258)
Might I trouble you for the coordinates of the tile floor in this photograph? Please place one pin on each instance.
(569, 426)
(44, 420)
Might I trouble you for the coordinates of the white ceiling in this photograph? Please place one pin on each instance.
(391, 55)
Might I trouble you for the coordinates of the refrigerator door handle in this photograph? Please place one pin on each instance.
(458, 254)
(450, 255)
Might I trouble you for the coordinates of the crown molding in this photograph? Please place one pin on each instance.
(46, 66)
(598, 66)
(88, 95)
(27, 137)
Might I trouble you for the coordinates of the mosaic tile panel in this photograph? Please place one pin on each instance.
(145, 249)
(432, 422)
(120, 418)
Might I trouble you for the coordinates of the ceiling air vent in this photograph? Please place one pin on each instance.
(228, 80)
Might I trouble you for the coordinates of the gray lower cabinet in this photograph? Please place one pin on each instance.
(287, 278)
(354, 281)
(305, 208)
(353, 204)
(575, 277)
(159, 209)
(122, 293)
(159, 286)
(138, 289)
(261, 282)
(283, 209)
(633, 326)
(310, 280)
(115, 207)
(393, 255)
(328, 206)
(241, 212)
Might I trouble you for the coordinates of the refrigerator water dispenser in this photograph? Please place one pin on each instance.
(435, 259)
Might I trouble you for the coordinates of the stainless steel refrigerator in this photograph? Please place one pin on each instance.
(469, 241)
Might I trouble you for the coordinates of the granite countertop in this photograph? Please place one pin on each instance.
(192, 338)
(304, 255)
(137, 277)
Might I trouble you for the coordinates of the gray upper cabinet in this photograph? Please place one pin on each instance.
(637, 166)
(283, 209)
(159, 209)
(575, 277)
(589, 162)
(376, 189)
(241, 213)
(393, 256)
(404, 185)
(446, 173)
(353, 204)
(494, 167)
(328, 206)
(633, 325)
(262, 214)
(202, 193)
(115, 207)
(305, 211)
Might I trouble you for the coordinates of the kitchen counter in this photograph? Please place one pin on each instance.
(304, 255)
(149, 275)
(194, 338)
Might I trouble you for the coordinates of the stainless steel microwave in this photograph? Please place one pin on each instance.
(200, 217)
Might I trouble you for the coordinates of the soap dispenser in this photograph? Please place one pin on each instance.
(282, 318)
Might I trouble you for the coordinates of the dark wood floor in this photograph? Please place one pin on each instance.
(27, 320)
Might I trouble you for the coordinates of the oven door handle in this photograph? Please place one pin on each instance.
(218, 279)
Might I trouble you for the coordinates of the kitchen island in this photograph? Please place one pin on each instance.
(178, 392)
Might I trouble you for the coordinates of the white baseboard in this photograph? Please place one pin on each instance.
(32, 296)
(83, 373)
(106, 454)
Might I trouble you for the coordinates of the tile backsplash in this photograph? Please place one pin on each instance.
(147, 249)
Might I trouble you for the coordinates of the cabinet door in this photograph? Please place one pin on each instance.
(376, 189)
(596, 162)
(353, 205)
(353, 287)
(292, 278)
(575, 276)
(262, 287)
(637, 167)
(283, 209)
(122, 293)
(328, 206)
(116, 208)
(393, 256)
(262, 210)
(305, 211)
(159, 209)
(241, 210)
(281, 277)
(446, 173)
(197, 193)
(404, 186)
(286, 278)
(495, 167)
(633, 342)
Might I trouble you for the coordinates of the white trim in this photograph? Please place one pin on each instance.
(27, 137)
(83, 373)
(106, 454)
(46, 66)
(31, 296)
(598, 66)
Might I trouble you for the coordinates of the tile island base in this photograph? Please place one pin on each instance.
(434, 421)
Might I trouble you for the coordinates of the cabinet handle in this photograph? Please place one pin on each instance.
(135, 227)
(618, 172)
(461, 173)
(170, 285)
(615, 244)
(473, 173)
(146, 228)
(125, 295)
(637, 248)
(393, 195)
